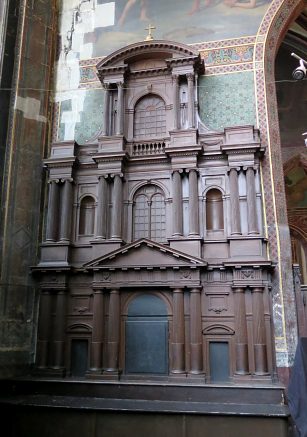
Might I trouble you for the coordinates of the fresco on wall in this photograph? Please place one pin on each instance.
(121, 22)
(94, 28)
(188, 21)
(296, 185)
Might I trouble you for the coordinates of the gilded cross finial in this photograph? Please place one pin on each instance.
(149, 37)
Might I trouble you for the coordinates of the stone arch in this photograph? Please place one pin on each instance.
(138, 96)
(149, 182)
(131, 296)
(87, 215)
(86, 195)
(149, 213)
(211, 187)
(79, 328)
(271, 31)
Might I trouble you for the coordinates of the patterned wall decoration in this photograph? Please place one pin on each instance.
(227, 100)
(228, 55)
(89, 119)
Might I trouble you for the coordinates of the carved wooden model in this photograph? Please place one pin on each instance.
(155, 262)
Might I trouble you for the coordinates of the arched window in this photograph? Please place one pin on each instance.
(87, 216)
(149, 214)
(214, 210)
(149, 117)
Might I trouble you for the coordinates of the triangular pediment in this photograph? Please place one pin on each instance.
(145, 254)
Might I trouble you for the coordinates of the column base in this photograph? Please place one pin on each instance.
(111, 375)
(49, 372)
(94, 374)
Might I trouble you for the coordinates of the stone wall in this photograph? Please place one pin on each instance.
(29, 123)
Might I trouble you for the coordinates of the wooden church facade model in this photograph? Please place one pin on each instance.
(154, 264)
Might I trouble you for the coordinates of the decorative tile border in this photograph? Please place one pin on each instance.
(88, 74)
(55, 121)
(227, 69)
(225, 43)
(228, 55)
(271, 29)
(225, 55)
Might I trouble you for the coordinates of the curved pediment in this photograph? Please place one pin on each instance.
(150, 55)
(218, 329)
(157, 49)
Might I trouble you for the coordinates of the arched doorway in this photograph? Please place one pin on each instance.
(146, 335)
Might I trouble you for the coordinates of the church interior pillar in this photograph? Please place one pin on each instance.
(178, 361)
(177, 204)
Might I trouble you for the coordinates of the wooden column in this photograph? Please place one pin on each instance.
(176, 101)
(234, 202)
(193, 203)
(117, 208)
(259, 332)
(177, 204)
(250, 330)
(97, 332)
(252, 220)
(113, 332)
(66, 207)
(120, 109)
(101, 216)
(106, 111)
(268, 329)
(59, 330)
(178, 349)
(240, 331)
(53, 211)
(44, 329)
(191, 100)
(196, 334)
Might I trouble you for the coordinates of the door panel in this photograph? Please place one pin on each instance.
(146, 347)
